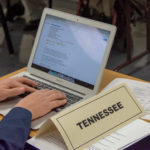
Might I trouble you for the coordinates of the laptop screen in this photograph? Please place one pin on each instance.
(70, 50)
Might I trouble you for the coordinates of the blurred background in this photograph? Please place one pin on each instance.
(130, 52)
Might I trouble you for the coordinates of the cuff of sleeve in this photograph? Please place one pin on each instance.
(16, 124)
(24, 112)
(19, 112)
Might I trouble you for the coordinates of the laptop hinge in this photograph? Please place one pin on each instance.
(59, 85)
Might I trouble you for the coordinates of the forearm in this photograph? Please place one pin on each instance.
(14, 129)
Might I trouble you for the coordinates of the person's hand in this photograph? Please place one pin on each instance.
(41, 102)
(11, 87)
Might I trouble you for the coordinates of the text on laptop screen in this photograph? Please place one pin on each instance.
(70, 50)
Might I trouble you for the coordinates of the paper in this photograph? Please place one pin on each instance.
(50, 140)
(140, 89)
(116, 141)
(89, 121)
(78, 121)
(124, 137)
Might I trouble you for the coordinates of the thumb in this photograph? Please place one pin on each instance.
(15, 91)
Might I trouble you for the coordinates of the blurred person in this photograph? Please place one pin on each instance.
(14, 8)
(33, 12)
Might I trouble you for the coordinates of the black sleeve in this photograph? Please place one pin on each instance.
(14, 129)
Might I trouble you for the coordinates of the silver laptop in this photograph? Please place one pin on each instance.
(69, 54)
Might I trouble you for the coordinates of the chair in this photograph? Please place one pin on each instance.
(127, 13)
(6, 31)
(50, 3)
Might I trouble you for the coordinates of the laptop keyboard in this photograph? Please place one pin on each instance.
(71, 98)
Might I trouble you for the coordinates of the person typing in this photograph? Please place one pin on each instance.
(15, 126)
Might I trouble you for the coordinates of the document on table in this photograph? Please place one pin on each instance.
(89, 121)
(140, 89)
(124, 137)
(118, 140)
(97, 117)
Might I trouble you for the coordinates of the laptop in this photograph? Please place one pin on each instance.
(69, 54)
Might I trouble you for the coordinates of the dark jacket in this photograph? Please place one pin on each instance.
(14, 129)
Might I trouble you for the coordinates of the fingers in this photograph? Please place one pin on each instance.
(56, 99)
(55, 95)
(27, 88)
(57, 103)
(15, 91)
(41, 102)
(27, 81)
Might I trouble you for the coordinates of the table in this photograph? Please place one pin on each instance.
(108, 76)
